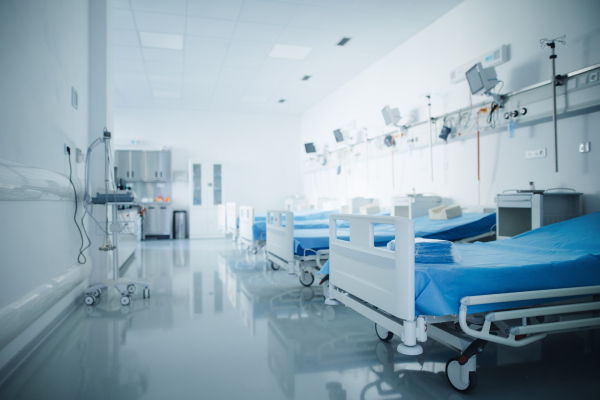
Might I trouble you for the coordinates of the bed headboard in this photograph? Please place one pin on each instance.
(246, 222)
(384, 278)
(280, 239)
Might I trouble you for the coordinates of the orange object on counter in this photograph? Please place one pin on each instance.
(168, 199)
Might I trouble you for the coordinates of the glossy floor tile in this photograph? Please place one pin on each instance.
(220, 325)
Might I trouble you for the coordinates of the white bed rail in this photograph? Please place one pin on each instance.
(231, 219)
(280, 239)
(537, 331)
(246, 222)
(383, 278)
(222, 218)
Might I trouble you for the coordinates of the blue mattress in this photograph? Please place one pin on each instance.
(561, 255)
(465, 226)
(307, 219)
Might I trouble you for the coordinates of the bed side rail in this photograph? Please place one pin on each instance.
(383, 278)
(231, 218)
(222, 218)
(526, 333)
(246, 222)
(280, 239)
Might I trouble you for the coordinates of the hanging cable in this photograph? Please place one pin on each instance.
(81, 249)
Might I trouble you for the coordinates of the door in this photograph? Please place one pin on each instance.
(152, 165)
(205, 194)
(164, 165)
(124, 170)
(137, 165)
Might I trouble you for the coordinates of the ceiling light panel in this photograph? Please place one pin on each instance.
(229, 9)
(267, 12)
(161, 40)
(289, 52)
(161, 23)
(208, 27)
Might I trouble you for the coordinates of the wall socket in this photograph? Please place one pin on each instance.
(65, 149)
(540, 153)
(584, 147)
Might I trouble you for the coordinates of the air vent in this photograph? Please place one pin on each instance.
(343, 41)
(306, 77)
(282, 101)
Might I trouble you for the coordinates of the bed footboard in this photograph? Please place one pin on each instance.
(280, 239)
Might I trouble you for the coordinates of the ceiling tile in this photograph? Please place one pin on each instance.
(233, 60)
(170, 103)
(340, 4)
(234, 82)
(191, 104)
(248, 48)
(316, 17)
(198, 92)
(160, 6)
(396, 8)
(165, 87)
(302, 36)
(125, 84)
(257, 32)
(267, 12)
(159, 67)
(206, 45)
(161, 23)
(131, 76)
(281, 64)
(163, 55)
(161, 40)
(123, 19)
(122, 4)
(129, 65)
(238, 73)
(210, 27)
(127, 53)
(215, 9)
(208, 71)
(266, 74)
(204, 59)
(126, 38)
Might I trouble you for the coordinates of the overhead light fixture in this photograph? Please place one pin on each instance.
(254, 99)
(343, 41)
(306, 77)
(164, 94)
(161, 40)
(282, 101)
(289, 52)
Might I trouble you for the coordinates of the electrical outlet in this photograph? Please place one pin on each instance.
(583, 80)
(594, 76)
(540, 153)
(74, 98)
(79, 155)
(584, 147)
(66, 151)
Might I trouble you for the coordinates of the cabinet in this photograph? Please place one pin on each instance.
(139, 165)
(205, 194)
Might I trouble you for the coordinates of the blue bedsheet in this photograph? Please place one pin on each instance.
(565, 254)
(306, 219)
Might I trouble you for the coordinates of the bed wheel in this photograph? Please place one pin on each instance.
(453, 376)
(383, 334)
(306, 278)
(274, 266)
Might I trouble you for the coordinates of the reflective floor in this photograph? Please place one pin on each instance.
(220, 325)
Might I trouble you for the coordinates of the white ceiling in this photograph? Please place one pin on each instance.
(224, 63)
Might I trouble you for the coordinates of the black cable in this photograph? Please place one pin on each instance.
(81, 249)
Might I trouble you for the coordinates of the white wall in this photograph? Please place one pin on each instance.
(422, 66)
(44, 48)
(261, 164)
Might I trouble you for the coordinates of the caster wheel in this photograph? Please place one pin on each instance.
(306, 278)
(146, 293)
(89, 310)
(453, 376)
(125, 300)
(89, 300)
(131, 288)
(383, 334)
(274, 266)
(95, 293)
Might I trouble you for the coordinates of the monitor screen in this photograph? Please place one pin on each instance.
(474, 79)
(310, 148)
(339, 137)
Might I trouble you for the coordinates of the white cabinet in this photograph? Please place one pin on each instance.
(205, 194)
(158, 166)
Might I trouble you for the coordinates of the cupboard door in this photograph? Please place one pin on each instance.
(137, 165)
(152, 165)
(124, 170)
(164, 165)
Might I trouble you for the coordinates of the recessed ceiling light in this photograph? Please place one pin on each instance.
(161, 40)
(163, 94)
(282, 101)
(254, 99)
(306, 77)
(290, 52)
(343, 41)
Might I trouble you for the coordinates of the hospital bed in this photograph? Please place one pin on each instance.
(303, 250)
(222, 218)
(512, 292)
(232, 221)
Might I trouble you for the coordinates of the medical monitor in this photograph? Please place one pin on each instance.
(339, 136)
(310, 147)
(391, 116)
(481, 80)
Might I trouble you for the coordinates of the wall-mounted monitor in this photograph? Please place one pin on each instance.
(339, 136)
(391, 116)
(481, 80)
(310, 147)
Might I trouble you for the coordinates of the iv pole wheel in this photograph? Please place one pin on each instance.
(147, 293)
(131, 288)
(125, 300)
(89, 300)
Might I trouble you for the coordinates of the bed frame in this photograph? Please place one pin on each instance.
(222, 218)
(380, 285)
(246, 235)
(231, 221)
(280, 249)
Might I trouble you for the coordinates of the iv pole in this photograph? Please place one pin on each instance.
(430, 136)
(556, 81)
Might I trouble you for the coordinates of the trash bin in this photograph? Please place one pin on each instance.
(179, 224)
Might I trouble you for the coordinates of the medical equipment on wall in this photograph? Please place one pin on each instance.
(310, 148)
(110, 196)
(481, 80)
(339, 136)
(392, 117)
(556, 81)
